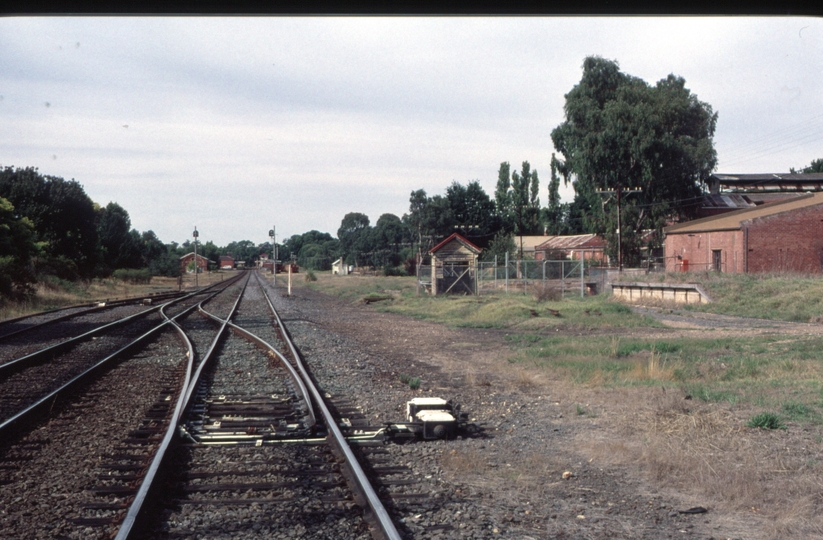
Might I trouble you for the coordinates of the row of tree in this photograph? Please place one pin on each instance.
(50, 227)
(638, 157)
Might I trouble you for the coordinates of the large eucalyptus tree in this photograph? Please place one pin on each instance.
(621, 134)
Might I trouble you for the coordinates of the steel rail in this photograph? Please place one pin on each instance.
(312, 418)
(127, 528)
(362, 481)
(59, 318)
(90, 307)
(24, 361)
(212, 347)
(28, 413)
(298, 380)
(10, 424)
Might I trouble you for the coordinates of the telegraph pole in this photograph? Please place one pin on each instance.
(619, 191)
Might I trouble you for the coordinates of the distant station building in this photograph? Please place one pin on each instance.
(185, 261)
(454, 266)
(529, 244)
(264, 263)
(226, 262)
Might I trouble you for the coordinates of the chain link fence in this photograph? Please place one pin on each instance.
(560, 278)
(528, 276)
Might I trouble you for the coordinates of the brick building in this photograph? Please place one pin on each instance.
(226, 262)
(782, 236)
(202, 262)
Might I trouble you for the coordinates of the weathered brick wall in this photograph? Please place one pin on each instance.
(696, 248)
(788, 242)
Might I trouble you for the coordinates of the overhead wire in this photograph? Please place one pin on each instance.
(780, 140)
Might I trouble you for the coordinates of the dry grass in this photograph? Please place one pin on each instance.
(462, 462)
(705, 454)
(55, 295)
(652, 368)
(542, 292)
(525, 378)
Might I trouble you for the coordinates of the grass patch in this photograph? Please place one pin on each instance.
(766, 420)
(589, 341)
(491, 311)
(412, 382)
(795, 298)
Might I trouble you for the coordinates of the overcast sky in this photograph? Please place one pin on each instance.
(235, 124)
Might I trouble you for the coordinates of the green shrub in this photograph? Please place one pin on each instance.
(394, 271)
(310, 276)
(766, 420)
(133, 275)
(413, 382)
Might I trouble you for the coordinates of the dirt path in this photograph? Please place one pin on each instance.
(725, 323)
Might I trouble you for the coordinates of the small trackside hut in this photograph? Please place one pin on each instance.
(454, 266)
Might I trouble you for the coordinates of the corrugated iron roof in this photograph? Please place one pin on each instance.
(768, 181)
(725, 200)
(733, 220)
(577, 241)
(530, 242)
(746, 177)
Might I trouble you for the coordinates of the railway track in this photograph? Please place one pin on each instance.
(260, 454)
(30, 383)
(264, 454)
(28, 324)
(77, 406)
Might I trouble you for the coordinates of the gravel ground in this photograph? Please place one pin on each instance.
(542, 469)
(45, 478)
(524, 478)
(44, 336)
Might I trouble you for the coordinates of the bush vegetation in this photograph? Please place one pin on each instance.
(132, 275)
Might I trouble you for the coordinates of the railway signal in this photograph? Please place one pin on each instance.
(195, 234)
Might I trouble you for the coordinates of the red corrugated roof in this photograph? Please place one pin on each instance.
(455, 236)
(578, 241)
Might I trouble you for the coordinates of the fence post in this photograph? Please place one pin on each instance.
(562, 279)
(582, 277)
(507, 272)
